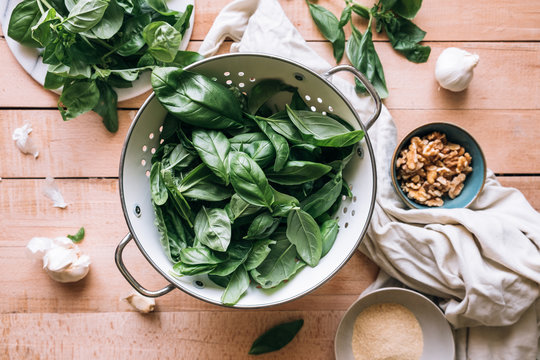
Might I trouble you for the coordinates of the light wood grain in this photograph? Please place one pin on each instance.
(70, 149)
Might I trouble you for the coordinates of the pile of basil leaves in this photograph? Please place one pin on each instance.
(94, 46)
(242, 191)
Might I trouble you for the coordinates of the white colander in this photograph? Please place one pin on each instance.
(244, 71)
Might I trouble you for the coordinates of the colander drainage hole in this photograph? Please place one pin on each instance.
(360, 152)
(137, 210)
(307, 97)
(346, 225)
(198, 284)
(299, 76)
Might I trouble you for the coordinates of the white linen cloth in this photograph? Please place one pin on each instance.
(483, 262)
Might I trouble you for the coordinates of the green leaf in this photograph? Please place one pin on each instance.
(239, 208)
(321, 200)
(78, 237)
(279, 142)
(276, 338)
(361, 11)
(41, 32)
(261, 151)
(237, 286)
(238, 253)
(303, 231)
(185, 58)
(249, 181)
(110, 23)
(283, 204)
(363, 56)
(263, 91)
(85, 15)
(261, 249)
(182, 22)
(178, 157)
(178, 200)
(322, 130)
(106, 106)
(329, 231)
(262, 227)
(132, 39)
(406, 8)
(213, 148)
(298, 172)
(163, 40)
(24, 16)
(161, 7)
(208, 191)
(182, 269)
(172, 235)
(77, 98)
(199, 256)
(196, 99)
(158, 189)
(404, 37)
(213, 228)
(328, 25)
(53, 81)
(345, 16)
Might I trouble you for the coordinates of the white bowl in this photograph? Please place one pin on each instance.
(436, 331)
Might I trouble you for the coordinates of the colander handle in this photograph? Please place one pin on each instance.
(370, 89)
(120, 264)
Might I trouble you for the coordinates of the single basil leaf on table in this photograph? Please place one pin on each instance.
(157, 186)
(78, 237)
(279, 142)
(279, 265)
(329, 231)
(283, 204)
(110, 23)
(320, 201)
(238, 253)
(262, 227)
(362, 54)
(298, 172)
(406, 8)
(404, 37)
(132, 39)
(276, 338)
(213, 148)
(24, 16)
(78, 97)
(261, 249)
(213, 228)
(303, 231)
(199, 255)
(237, 286)
(85, 15)
(106, 106)
(249, 181)
(196, 99)
(263, 91)
(322, 130)
(328, 25)
(163, 40)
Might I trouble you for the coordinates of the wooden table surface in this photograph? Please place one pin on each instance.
(40, 318)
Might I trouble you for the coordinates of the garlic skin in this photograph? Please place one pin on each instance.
(63, 261)
(140, 303)
(50, 190)
(23, 141)
(454, 69)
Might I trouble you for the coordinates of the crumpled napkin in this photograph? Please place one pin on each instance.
(483, 262)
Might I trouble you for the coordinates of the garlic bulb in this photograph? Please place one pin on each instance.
(454, 68)
(140, 303)
(63, 261)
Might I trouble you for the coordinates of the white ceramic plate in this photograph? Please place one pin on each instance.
(438, 338)
(31, 61)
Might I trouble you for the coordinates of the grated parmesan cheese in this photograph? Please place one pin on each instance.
(387, 332)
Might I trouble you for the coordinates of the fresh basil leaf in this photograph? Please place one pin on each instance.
(53, 81)
(283, 204)
(85, 15)
(185, 58)
(178, 158)
(261, 249)
(363, 56)
(199, 256)
(195, 99)
(208, 191)
(178, 200)
(213, 228)
(77, 98)
(329, 231)
(222, 281)
(307, 152)
(78, 237)
(163, 40)
(247, 138)
(281, 124)
(345, 16)
(279, 265)
(238, 252)
(132, 39)
(213, 148)
(262, 227)
(24, 16)
(297, 103)
(239, 208)
(280, 144)
(182, 22)
(249, 181)
(360, 10)
(303, 231)
(322, 130)
(41, 32)
(157, 186)
(161, 7)
(328, 25)
(263, 91)
(404, 37)
(237, 286)
(262, 151)
(406, 8)
(110, 23)
(106, 106)
(170, 244)
(127, 5)
(298, 172)
(276, 338)
(181, 269)
(320, 201)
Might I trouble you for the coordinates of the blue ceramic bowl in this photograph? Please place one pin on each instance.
(475, 180)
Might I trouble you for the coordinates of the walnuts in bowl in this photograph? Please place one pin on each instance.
(432, 167)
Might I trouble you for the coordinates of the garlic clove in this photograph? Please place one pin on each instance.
(38, 246)
(140, 303)
(454, 69)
